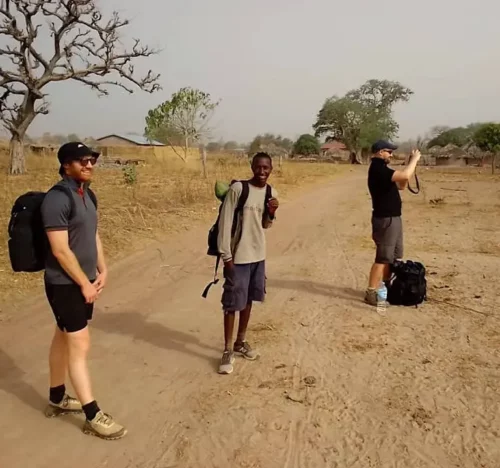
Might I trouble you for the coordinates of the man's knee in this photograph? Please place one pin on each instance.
(59, 335)
(78, 342)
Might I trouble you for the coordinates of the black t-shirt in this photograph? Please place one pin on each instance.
(386, 200)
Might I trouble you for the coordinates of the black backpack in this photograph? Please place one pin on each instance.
(28, 243)
(213, 233)
(408, 285)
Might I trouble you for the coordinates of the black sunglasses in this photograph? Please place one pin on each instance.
(86, 159)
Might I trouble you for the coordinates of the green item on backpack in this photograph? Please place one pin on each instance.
(221, 189)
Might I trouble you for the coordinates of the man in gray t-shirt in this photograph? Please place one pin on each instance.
(81, 225)
(75, 275)
(244, 269)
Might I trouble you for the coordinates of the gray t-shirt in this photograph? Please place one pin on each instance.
(81, 227)
(252, 244)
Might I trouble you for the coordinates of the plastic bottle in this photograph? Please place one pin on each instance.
(382, 293)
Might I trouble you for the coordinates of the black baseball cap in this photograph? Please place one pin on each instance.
(74, 150)
(380, 145)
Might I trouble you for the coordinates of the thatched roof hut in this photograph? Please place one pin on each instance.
(450, 155)
(476, 156)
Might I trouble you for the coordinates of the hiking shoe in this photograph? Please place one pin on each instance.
(104, 427)
(226, 363)
(371, 297)
(68, 405)
(244, 349)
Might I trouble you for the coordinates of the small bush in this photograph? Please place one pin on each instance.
(129, 174)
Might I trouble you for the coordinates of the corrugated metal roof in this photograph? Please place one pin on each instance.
(137, 139)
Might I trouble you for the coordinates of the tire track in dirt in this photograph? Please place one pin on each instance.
(297, 427)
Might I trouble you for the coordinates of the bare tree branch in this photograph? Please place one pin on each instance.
(86, 48)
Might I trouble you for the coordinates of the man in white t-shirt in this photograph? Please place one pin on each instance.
(244, 264)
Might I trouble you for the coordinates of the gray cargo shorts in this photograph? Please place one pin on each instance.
(387, 233)
(246, 284)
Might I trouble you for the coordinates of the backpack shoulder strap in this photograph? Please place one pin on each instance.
(92, 196)
(269, 192)
(67, 191)
(244, 195)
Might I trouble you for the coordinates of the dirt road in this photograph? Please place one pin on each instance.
(338, 385)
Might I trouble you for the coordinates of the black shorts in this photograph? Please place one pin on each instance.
(246, 284)
(68, 304)
(387, 233)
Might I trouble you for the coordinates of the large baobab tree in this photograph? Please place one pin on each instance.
(50, 41)
(362, 115)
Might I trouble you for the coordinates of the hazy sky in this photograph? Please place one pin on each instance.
(273, 62)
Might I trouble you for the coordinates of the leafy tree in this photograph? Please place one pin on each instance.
(353, 123)
(438, 130)
(275, 151)
(49, 139)
(271, 140)
(285, 143)
(214, 147)
(487, 138)
(362, 115)
(307, 145)
(90, 141)
(458, 136)
(230, 146)
(82, 46)
(188, 114)
(380, 95)
(255, 145)
(73, 137)
(169, 136)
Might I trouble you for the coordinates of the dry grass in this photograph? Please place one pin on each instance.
(168, 196)
(459, 214)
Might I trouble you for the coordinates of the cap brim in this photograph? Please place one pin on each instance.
(91, 152)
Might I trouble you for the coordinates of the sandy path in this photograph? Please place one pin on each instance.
(337, 386)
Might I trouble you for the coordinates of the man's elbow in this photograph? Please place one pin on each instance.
(59, 252)
(59, 249)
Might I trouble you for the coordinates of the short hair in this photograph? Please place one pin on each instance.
(262, 155)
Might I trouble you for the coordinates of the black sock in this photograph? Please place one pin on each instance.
(57, 394)
(91, 409)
